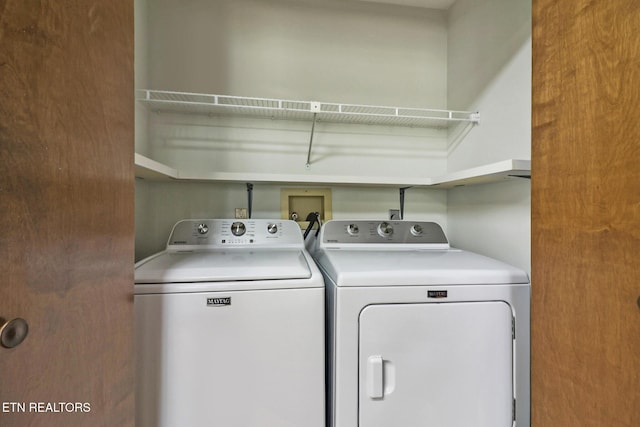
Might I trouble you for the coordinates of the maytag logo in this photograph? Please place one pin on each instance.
(437, 294)
(218, 302)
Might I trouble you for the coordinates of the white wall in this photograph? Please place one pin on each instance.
(201, 144)
(489, 70)
(330, 51)
(494, 220)
(476, 56)
(159, 205)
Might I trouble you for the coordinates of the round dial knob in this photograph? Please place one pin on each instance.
(385, 229)
(238, 228)
(203, 228)
(352, 229)
(417, 230)
(272, 228)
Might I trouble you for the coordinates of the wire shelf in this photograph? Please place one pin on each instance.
(184, 102)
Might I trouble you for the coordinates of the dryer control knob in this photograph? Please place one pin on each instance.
(385, 229)
(272, 228)
(416, 230)
(352, 229)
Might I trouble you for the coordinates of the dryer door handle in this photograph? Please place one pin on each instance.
(375, 377)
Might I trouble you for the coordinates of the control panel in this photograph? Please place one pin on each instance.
(201, 233)
(366, 232)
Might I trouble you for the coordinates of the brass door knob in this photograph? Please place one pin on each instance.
(13, 332)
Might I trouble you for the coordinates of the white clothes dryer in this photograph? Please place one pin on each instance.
(230, 328)
(421, 334)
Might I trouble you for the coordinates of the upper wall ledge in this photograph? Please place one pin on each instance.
(147, 168)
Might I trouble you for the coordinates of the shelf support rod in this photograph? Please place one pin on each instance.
(313, 127)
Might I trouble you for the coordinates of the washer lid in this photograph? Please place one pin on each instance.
(222, 266)
(415, 267)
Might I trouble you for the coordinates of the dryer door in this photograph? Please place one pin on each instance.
(445, 365)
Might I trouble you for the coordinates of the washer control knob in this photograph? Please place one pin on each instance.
(238, 228)
(417, 230)
(385, 229)
(203, 228)
(352, 229)
(272, 228)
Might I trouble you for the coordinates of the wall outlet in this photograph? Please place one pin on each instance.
(241, 213)
(394, 214)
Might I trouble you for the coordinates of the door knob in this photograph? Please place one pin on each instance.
(13, 332)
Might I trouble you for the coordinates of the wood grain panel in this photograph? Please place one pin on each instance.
(66, 191)
(586, 213)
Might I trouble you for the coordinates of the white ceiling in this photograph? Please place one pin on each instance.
(431, 4)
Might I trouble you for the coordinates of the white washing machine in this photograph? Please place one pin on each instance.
(230, 328)
(421, 334)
